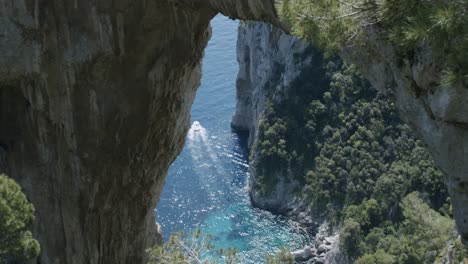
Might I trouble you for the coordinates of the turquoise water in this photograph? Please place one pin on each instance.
(206, 187)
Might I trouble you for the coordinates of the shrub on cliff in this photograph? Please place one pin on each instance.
(350, 237)
(282, 257)
(191, 248)
(16, 217)
(196, 248)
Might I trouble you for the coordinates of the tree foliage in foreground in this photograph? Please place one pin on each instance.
(196, 248)
(16, 217)
(193, 248)
(404, 24)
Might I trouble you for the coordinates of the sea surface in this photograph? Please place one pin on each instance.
(207, 186)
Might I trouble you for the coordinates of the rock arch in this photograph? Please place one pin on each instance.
(95, 99)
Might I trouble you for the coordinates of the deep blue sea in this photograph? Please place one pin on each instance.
(207, 186)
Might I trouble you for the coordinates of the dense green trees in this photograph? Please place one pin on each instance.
(16, 217)
(271, 149)
(419, 238)
(358, 162)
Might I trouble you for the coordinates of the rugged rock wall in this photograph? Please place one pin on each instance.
(271, 65)
(94, 106)
(95, 99)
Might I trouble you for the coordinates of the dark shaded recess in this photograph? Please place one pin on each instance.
(310, 85)
(13, 108)
(243, 136)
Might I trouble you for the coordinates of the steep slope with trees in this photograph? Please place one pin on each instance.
(355, 162)
(413, 52)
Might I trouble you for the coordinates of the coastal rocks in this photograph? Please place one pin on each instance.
(327, 246)
(323, 248)
(302, 214)
(303, 254)
(324, 251)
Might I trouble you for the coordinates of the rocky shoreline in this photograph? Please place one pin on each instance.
(278, 64)
(324, 250)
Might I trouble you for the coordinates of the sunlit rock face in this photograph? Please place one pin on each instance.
(272, 65)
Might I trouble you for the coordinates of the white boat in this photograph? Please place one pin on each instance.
(196, 126)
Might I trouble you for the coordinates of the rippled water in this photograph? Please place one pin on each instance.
(206, 186)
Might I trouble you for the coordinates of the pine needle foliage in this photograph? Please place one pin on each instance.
(191, 248)
(16, 218)
(196, 248)
(405, 24)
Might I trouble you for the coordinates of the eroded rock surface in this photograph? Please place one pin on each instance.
(95, 101)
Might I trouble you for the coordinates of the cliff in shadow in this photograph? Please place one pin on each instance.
(95, 101)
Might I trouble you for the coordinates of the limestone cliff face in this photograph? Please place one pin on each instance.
(269, 62)
(95, 99)
(271, 65)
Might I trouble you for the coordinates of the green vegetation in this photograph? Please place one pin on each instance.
(419, 238)
(283, 257)
(196, 248)
(273, 155)
(405, 24)
(16, 217)
(361, 166)
(192, 248)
